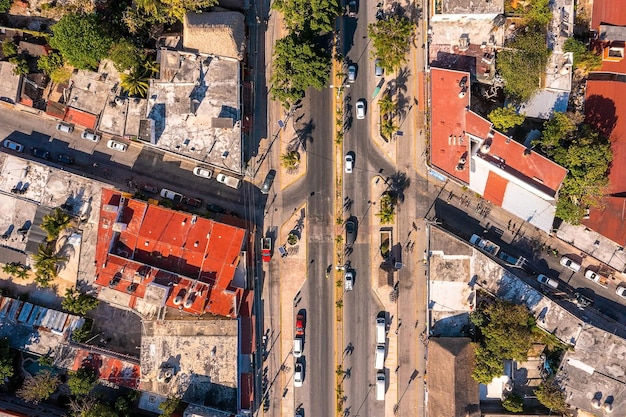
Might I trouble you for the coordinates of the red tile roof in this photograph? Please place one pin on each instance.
(80, 118)
(610, 12)
(111, 369)
(605, 101)
(455, 128)
(495, 188)
(146, 243)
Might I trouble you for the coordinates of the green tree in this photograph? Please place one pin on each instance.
(54, 223)
(78, 303)
(298, 65)
(126, 55)
(6, 360)
(46, 263)
(9, 48)
(82, 333)
(39, 387)
(82, 381)
(290, 160)
(523, 63)
(82, 39)
(388, 127)
(551, 396)
(386, 213)
(555, 131)
(308, 16)
(386, 104)
(21, 65)
(5, 5)
(538, 13)
(50, 63)
(88, 406)
(584, 59)
(513, 403)
(505, 118)
(135, 83)
(391, 39)
(505, 333)
(169, 406)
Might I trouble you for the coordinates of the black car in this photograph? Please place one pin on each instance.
(352, 9)
(65, 159)
(269, 180)
(350, 232)
(40, 153)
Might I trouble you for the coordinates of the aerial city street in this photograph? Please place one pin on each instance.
(312, 208)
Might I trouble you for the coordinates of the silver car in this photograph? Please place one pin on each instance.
(348, 280)
(378, 70)
(351, 73)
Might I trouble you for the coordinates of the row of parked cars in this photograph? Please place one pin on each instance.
(116, 145)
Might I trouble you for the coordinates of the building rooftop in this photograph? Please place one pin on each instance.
(219, 33)
(188, 262)
(610, 12)
(195, 108)
(465, 146)
(463, 7)
(196, 360)
(89, 91)
(9, 83)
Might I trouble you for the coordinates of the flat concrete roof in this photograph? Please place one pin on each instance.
(195, 106)
(9, 82)
(202, 356)
(89, 91)
(464, 7)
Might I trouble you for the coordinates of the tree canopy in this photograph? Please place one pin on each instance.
(6, 360)
(584, 59)
(505, 332)
(126, 55)
(51, 62)
(77, 302)
(505, 118)
(5, 5)
(551, 396)
(39, 387)
(82, 381)
(391, 39)
(82, 40)
(308, 16)
(298, 65)
(523, 63)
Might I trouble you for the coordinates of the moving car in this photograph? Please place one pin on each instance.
(349, 166)
(360, 109)
(171, 195)
(269, 180)
(378, 70)
(14, 146)
(298, 375)
(92, 136)
(570, 263)
(543, 279)
(65, 159)
(266, 249)
(352, 8)
(300, 325)
(298, 341)
(348, 280)
(40, 153)
(350, 232)
(117, 146)
(203, 172)
(64, 127)
(351, 73)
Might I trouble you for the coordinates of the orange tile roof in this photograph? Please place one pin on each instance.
(80, 118)
(611, 12)
(191, 254)
(455, 127)
(108, 368)
(495, 188)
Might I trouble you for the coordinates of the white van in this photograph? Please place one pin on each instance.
(380, 386)
(297, 347)
(381, 330)
(379, 360)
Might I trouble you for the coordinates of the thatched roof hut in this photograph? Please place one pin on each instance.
(215, 33)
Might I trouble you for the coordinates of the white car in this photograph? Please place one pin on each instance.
(14, 146)
(298, 375)
(349, 159)
(621, 291)
(203, 172)
(348, 280)
(171, 195)
(90, 136)
(360, 109)
(351, 73)
(117, 146)
(570, 263)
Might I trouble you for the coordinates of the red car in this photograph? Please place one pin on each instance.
(300, 325)
(266, 249)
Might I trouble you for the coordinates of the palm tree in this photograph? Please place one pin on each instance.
(22, 272)
(387, 210)
(151, 66)
(46, 261)
(10, 269)
(290, 160)
(386, 104)
(388, 128)
(54, 223)
(136, 82)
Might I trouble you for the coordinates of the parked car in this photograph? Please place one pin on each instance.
(171, 195)
(232, 182)
(298, 375)
(149, 188)
(360, 109)
(570, 263)
(298, 343)
(40, 153)
(621, 291)
(269, 180)
(545, 280)
(378, 70)
(65, 128)
(352, 8)
(14, 146)
(117, 146)
(203, 172)
(348, 280)
(350, 232)
(193, 202)
(215, 208)
(92, 136)
(351, 73)
(65, 159)
(349, 163)
(300, 325)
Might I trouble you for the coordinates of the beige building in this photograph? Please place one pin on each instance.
(217, 33)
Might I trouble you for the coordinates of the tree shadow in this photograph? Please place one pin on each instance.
(601, 114)
(398, 184)
(399, 83)
(304, 135)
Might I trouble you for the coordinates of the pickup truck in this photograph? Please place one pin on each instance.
(232, 182)
(485, 245)
(597, 278)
